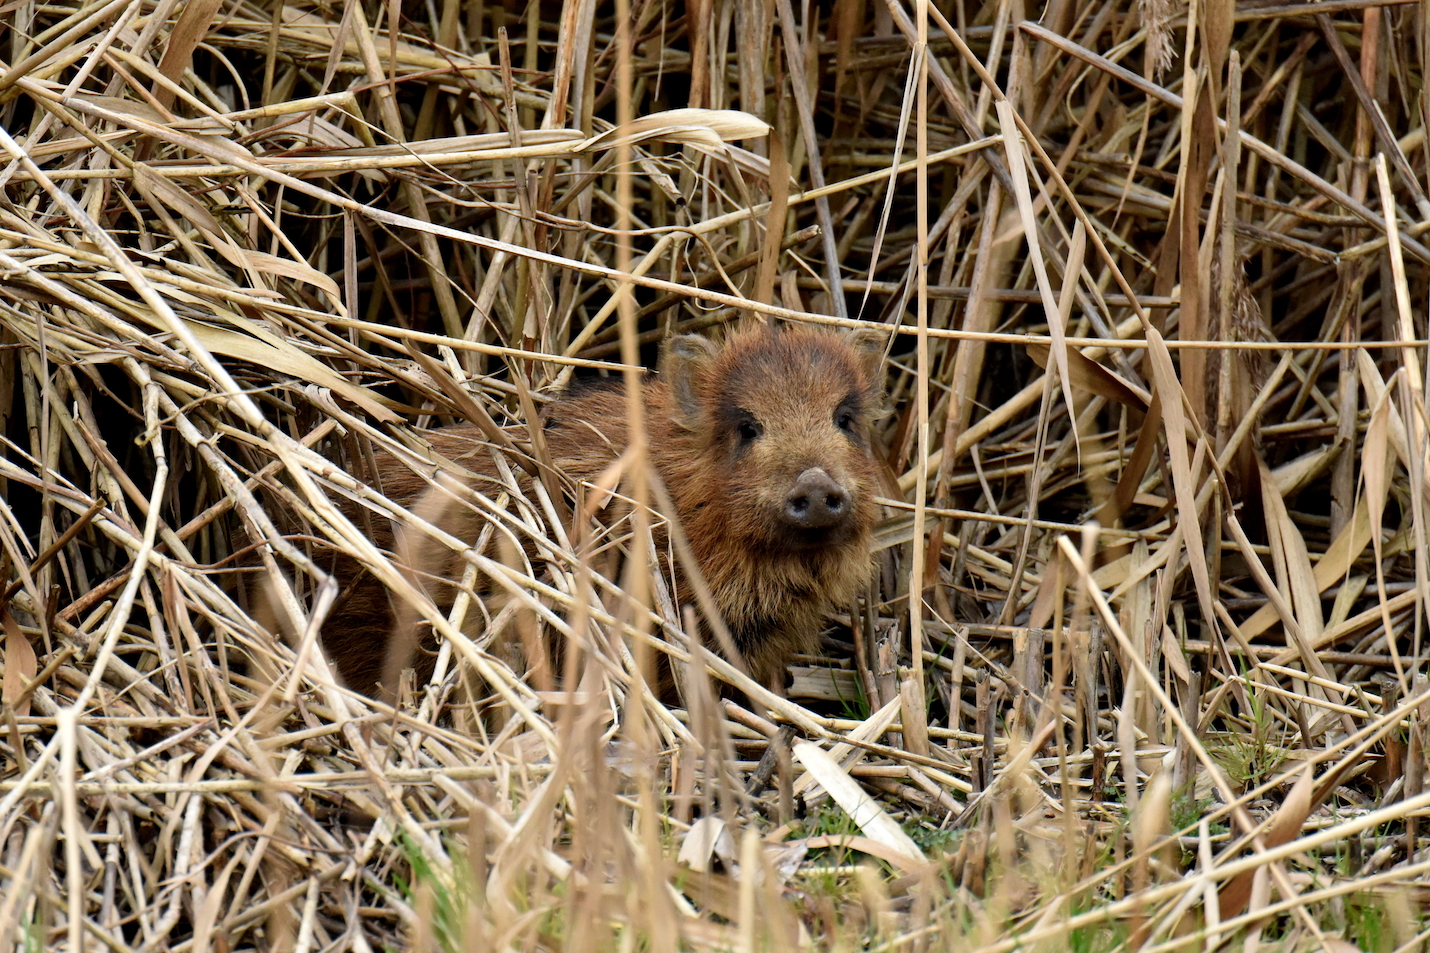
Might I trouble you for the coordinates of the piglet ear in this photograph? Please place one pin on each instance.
(683, 363)
(872, 346)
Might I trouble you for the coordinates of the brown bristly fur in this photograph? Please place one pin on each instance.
(813, 396)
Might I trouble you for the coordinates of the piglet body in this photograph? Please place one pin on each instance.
(765, 446)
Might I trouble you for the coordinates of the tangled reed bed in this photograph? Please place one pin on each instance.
(247, 247)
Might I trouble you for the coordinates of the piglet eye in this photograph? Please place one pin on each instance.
(844, 420)
(749, 431)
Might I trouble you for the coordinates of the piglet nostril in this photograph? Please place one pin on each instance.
(815, 501)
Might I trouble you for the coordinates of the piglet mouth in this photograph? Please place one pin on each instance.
(804, 540)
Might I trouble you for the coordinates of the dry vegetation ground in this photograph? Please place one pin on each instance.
(1165, 687)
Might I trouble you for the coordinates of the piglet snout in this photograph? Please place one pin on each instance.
(815, 501)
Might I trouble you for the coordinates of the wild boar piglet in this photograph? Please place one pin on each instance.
(766, 446)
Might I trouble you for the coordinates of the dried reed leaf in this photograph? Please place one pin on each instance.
(705, 129)
(862, 810)
(1285, 824)
(864, 845)
(194, 23)
(287, 359)
(847, 753)
(21, 666)
(1305, 594)
(1189, 519)
(1092, 377)
(1218, 20)
(1018, 170)
(1343, 551)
